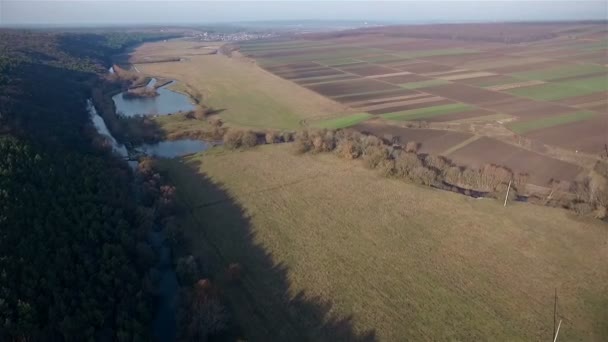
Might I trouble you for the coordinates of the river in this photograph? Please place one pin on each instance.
(164, 327)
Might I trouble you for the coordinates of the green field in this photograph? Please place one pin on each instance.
(550, 91)
(560, 72)
(343, 122)
(424, 84)
(596, 83)
(332, 252)
(532, 125)
(427, 112)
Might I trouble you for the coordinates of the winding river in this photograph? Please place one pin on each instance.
(164, 326)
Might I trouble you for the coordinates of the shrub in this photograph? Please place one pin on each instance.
(249, 139)
(439, 163)
(405, 163)
(412, 147)
(374, 155)
(423, 175)
(303, 142)
(582, 208)
(187, 270)
(453, 175)
(287, 136)
(216, 122)
(348, 149)
(386, 167)
(233, 138)
(272, 137)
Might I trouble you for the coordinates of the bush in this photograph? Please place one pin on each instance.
(303, 142)
(412, 147)
(423, 175)
(233, 138)
(374, 155)
(405, 163)
(272, 137)
(348, 149)
(249, 139)
(439, 163)
(287, 136)
(386, 167)
(216, 122)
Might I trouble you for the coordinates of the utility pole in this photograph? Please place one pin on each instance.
(507, 196)
(557, 332)
(554, 313)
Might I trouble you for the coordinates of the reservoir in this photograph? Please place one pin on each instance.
(167, 102)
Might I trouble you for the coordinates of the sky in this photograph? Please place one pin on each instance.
(102, 12)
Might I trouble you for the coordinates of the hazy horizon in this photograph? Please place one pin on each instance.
(133, 12)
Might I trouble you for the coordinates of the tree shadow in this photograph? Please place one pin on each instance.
(219, 232)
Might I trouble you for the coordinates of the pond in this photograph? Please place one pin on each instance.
(167, 102)
(172, 149)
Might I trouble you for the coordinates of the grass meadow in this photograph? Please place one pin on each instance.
(394, 260)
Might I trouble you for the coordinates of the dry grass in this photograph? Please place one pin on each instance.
(411, 263)
(248, 95)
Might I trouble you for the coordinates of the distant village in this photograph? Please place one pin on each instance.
(237, 36)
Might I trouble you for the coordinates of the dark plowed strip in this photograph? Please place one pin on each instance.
(404, 79)
(365, 97)
(315, 80)
(351, 87)
(316, 73)
(410, 106)
(292, 66)
(467, 94)
(461, 115)
(423, 67)
(391, 99)
(584, 99)
(369, 70)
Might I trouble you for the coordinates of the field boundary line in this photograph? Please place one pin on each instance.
(460, 145)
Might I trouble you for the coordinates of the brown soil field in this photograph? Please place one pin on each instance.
(293, 66)
(483, 32)
(467, 94)
(589, 136)
(393, 104)
(540, 168)
(369, 70)
(396, 108)
(496, 79)
(315, 80)
(524, 108)
(358, 104)
(350, 87)
(600, 106)
(405, 79)
(465, 76)
(581, 77)
(460, 115)
(383, 76)
(376, 96)
(515, 85)
(529, 67)
(314, 73)
(288, 70)
(422, 67)
(459, 60)
(431, 140)
(573, 101)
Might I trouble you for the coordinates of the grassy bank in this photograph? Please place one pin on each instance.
(328, 246)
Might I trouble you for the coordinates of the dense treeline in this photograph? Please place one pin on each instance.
(70, 269)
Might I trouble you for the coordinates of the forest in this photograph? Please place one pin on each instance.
(73, 261)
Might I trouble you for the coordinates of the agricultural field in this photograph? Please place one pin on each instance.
(550, 80)
(242, 93)
(389, 266)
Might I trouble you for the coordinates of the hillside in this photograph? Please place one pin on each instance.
(332, 251)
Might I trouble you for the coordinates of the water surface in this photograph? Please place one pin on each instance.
(175, 148)
(167, 102)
